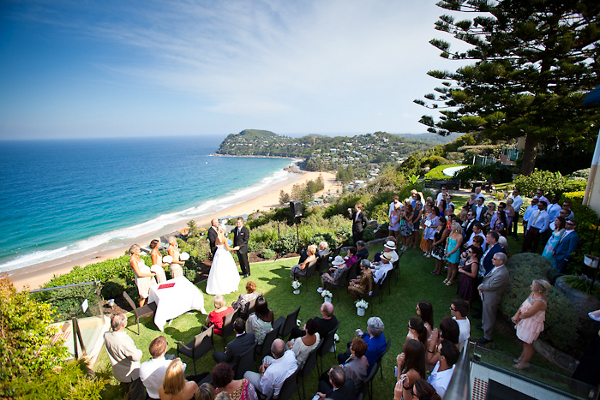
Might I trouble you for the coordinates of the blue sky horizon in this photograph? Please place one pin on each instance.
(91, 69)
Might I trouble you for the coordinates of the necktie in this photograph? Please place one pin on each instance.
(536, 217)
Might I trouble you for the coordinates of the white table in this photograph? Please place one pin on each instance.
(174, 301)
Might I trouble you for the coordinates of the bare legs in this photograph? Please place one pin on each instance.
(525, 356)
(452, 272)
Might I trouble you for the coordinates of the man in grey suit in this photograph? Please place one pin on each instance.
(124, 357)
(491, 289)
(242, 342)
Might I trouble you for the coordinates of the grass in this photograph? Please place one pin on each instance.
(273, 279)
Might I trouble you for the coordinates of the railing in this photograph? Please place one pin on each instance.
(74, 304)
(460, 385)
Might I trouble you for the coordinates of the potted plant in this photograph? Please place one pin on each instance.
(296, 285)
(361, 306)
(326, 294)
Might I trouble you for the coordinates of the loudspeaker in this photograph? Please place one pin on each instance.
(295, 209)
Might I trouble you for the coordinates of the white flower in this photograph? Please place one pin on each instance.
(361, 304)
(296, 284)
(326, 293)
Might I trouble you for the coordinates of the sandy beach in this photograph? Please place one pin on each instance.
(36, 275)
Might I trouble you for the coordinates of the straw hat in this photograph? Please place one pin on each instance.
(386, 256)
(390, 245)
(338, 261)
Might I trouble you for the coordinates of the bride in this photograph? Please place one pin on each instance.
(223, 277)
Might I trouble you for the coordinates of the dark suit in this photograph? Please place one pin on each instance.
(483, 211)
(212, 238)
(468, 229)
(493, 287)
(234, 349)
(358, 225)
(241, 239)
(486, 261)
(346, 392)
(563, 250)
(362, 254)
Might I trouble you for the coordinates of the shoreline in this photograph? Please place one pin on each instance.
(38, 274)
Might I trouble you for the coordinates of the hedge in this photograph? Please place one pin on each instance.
(588, 220)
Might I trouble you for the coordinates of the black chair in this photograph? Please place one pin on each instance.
(385, 282)
(265, 348)
(227, 329)
(311, 270)
(202, 344)
(326, 344)
(290, 385)
(290, 323)
(250, 306)
(140, 312)
(396, 268)
(324, 263)
(308, 366)
(380, 360)
(353, 271)
(244, 362)
(367, 387)
(341, 283)
(371, 296)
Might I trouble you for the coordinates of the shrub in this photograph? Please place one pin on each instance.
(550, 182)
(434, 161)
(576, 185)
(588, 220)
(285, 244)
(267, 254)
(581, 173)
(26, 346)
(369, 233)
(438, 172)
(498, 172)
(561, 321)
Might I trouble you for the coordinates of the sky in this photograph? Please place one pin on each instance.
(87, 69)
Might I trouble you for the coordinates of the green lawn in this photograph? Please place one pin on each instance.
(272, 278)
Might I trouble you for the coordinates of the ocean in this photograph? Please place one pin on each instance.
(61, 197)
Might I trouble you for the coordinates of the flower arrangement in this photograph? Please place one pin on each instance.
(167, 259)
(326, 293)
(361, 304)
(296, 285)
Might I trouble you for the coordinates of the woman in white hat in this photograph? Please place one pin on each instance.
(339, 266)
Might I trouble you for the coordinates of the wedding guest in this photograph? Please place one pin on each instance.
(468, 274)
(222, 380)
(260, 322)
(273, 370)
(302, 346)
(365, 284)
(459, 310)
(361, 250)
(417, 331)
(206, 391)
(216, 317)
(447, 356)
(517, 204)
(477, 231)
(499, 222)
(247, 297)
(486, 219)
(504, 244)
(528, 211)
(157, 264)
(567, 205)
(390, 248)
(334, 274)
(395, 203)
(491, 290)
(357, 364)
(439, 245)
(421, 390)
(425, 311)
(411, 363)
(539, 194)
(176, 264)
(479, 209)
(416, 221)
(562, 213)
(406, 228)
(566, 246)
(468, 224)
(375, 340)
(537, 224)
(337, 386)
(529, 320)
(152, 373)
(452, 253)
(431, 223)
(175, 386)
(351, 256)
(243, 341)
(300, 269)
(509, 210)
(144, 277)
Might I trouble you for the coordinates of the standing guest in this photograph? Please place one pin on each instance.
(222, 379)
(417, 331)
(206, 391)
(494, 247)
(124, 357)
(415, 197)
(337, 386)
(439, 245)
(486, 219)
(477, 231)
(562, 213)
(528, 211)
(152, 373)
(447, 356)
(452, 253)
(375, 340)
(509, 210)
(449, 203)
(394, 225)
(479, 209)
(517, 204)
(537, 224)
(359, 222)
(260, 322)
(416, 221)
(421, 390)
(174, 386)
(411, 363)
(468, 277)
(559, 228)
(553, 208)
(567, 206)
(241, 236)
(491, 289)
(440, 197)
(356, 365)
(425, 311)
(393, 205)
(300, 269)
(157, 264)
(431, 223)
(459, 310)
(406, 228)
(566, 246)
(273, 370)
(242, 342)
(176, 264)
(213, 234)
(530, 318)
(361, 250)
(504, 244)
(144, 277)
(302, 346)
(478, 194)
(216, 317)
(472, 201)
(539, 194)
(424, 216)
(244, 298)
(365, 283)
(468, 225)
(498, 222)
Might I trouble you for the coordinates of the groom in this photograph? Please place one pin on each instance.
(241, 235)
(212, 236)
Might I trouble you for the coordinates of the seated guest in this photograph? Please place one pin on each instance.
(242, 342)
(323, 251)
(447, 355)
(222, 380)
(273, 370)
(216, 317)
(420, 390)
(152, 373)
(300, 269)
(384, 267)
(124, 357)
(206, 391)
(337, 387)
(357, 364)
(174, 386)
(260, 322)
(247, 297)
(334, 274)
(388, 247)
(326, 324)
(361, 250)
(375, 340)
(351, 257)
(460, 310)
(302, 346)
(365, 282)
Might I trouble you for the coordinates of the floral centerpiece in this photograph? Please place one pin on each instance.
(296, 285)
(361, 306)
(326, 294)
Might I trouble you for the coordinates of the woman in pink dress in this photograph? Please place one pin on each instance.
(529, 320)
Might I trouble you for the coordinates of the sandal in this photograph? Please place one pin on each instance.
(449, 283)
(445, 281)
(521, 365)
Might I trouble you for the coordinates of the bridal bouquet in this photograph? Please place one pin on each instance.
(361, 304)
(326, 293)
(167, 259)
(296, 285)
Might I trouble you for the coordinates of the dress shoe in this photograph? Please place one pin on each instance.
(247, 275)
(480, 327)
(484, 340)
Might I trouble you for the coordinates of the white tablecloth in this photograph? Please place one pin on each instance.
(174, 301)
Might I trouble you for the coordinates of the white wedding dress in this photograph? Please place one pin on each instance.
(223, 277)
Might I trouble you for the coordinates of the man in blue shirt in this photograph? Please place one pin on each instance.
(537, 224)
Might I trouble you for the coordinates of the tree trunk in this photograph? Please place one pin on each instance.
(529, 155)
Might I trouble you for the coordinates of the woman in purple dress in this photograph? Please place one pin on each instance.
(466, 284)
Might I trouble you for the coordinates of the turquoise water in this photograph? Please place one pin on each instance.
(61, 197)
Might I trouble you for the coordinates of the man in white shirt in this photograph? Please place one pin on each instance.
(383, 268)
(459, 310)
(567, 206)
(274, 370)
(388, 248)
(539, 194)
(562, 213)
(479, 209)
(536, 226)
(152, 373)
(533, 207)
(440, 196)
(447, 355)
(478, 194)
(517, 204)
(124, 357)
(393, 204)
(477, 231)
